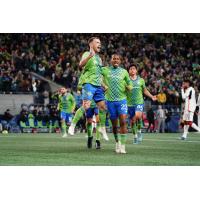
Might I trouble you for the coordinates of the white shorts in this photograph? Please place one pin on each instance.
(188, 116)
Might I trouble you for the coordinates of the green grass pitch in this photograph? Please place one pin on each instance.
(53, 150)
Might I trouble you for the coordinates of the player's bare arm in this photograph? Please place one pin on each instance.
(148, 94)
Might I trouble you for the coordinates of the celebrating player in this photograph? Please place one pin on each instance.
(66, 106)
(117, 78)
(90, 112)
(91, 64)
(188, 94)
(136, 102)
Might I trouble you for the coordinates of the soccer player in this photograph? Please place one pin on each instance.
(91, 64)
(136, 102)
(66, 106)
(90, 111)
(188, 94)
(198, 114)
(117, 79)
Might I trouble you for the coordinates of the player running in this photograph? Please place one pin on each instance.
(91, 64)
(66, 106)
(188, 94)
(117, 79)
(136, 102)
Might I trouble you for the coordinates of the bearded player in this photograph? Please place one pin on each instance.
(91, 65)
(66, 106)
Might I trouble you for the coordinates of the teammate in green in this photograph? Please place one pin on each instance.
(136, 102)
(66, 106)
(91, 65)
(117, 80)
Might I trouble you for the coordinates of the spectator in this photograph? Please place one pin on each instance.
(161, 97)
(151, 120)
(161, 116)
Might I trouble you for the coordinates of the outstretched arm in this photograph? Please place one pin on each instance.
(148, 94)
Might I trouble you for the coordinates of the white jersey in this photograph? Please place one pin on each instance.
(198, 101)
(190, 101)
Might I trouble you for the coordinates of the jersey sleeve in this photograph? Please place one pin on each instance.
(128, 81)
(143, 84)
(85, 55)
(104, 71)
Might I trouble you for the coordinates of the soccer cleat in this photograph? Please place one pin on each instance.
(183, 138)
(64, 135)
(123, 149)
(118, 147)
(71, 130)
(102, 130)
(135, 141)
(89, 142)
(98, 144)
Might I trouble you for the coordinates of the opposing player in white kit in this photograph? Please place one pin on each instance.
(188, 94)
(198, 114)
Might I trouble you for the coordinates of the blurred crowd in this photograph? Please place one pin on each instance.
(164, 59)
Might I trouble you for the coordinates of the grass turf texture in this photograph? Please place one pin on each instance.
(52, 149)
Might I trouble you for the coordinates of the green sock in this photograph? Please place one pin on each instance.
(89, 130)
(98, 135)
(139, 124)
(64, 127)
(79, 113)
(123, 138)
(102, 118)
(117, 137)
(134, 130)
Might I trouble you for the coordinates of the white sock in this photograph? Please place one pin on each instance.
(185, 128)
(194, 126)
(73, 125)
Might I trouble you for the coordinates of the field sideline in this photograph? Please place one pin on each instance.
(51, 149)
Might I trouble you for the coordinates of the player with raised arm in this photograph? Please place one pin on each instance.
(66, 106)
(117, 79)
(136, 102)
(188, 95)
(91, 65)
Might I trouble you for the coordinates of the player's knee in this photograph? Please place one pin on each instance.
(89, 121)
(188, 123)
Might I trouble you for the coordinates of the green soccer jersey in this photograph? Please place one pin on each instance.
(116, 79)
(135, 96)
(66, 103)
(92, 70)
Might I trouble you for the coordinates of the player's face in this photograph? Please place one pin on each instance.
(96, 45)
(115, 61)
(63, 90)
(185, 85)
(132, 71)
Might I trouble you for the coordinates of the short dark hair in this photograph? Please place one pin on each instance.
(133, 64)
(187, 81)
(91, 39)
(116, 54)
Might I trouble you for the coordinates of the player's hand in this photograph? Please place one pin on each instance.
(154, 98)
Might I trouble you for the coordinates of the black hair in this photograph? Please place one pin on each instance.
(133, 64)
